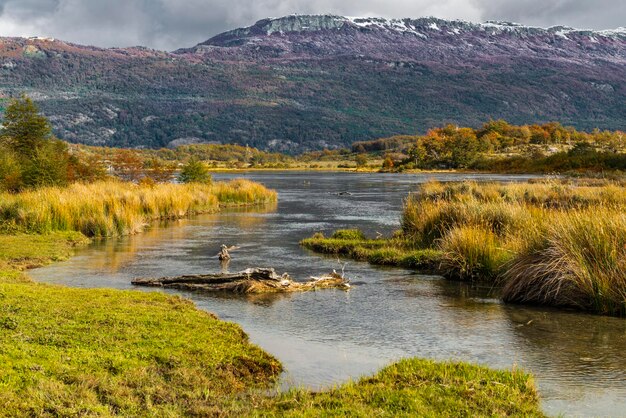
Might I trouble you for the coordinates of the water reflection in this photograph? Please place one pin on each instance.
(262, 299)
(326, 337)
(174, 238)
(589, 347)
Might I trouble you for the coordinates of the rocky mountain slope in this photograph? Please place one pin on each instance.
(309, 82)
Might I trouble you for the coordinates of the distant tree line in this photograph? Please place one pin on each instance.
(498, 143)
(224, 153)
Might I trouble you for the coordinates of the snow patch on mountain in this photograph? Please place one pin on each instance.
(313, 23)
(298, 36)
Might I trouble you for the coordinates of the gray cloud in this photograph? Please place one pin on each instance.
(170, 24)
(584, 14)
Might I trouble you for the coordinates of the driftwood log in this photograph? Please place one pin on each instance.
(258, 280)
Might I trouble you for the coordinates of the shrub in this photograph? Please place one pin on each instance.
(86, 168)
(361, 160)
(10, 171)
(24, 128)
(195, 172)
(32, 157)
(159, 171)
(388, 163)
(48, 166)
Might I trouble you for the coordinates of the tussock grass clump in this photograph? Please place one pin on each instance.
(117, 208)
(428, 222)
(240, 192)
(556, 242)
(348, 234)
(580, 263)
(472, 252)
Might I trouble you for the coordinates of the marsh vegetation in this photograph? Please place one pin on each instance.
(103, 352)
(558, 243)
(76, 352)
(115, 208)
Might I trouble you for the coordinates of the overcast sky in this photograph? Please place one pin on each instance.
(171, 24)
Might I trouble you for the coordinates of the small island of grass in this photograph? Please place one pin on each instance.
(557, 243)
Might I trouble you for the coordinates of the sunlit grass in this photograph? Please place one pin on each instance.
(559, 243)
(96, 352)
(472, 253)
(118, 208)
(414, 388)
(24, 251)
(384, 252)
(579, 262)
(555, 243)
(72, 352)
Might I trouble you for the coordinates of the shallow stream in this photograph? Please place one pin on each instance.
(327, 337)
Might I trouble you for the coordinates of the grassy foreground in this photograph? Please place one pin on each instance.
(416, 387)
(553, 243)
(103, 352)
(71, 352)
(75, 352)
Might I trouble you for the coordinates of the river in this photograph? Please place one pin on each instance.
(326, 337)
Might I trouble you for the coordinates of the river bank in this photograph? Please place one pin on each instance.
(68, 351)
(77, 352)
(330, 337)
(557, 243)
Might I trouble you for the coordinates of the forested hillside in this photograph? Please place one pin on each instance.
(311, 82)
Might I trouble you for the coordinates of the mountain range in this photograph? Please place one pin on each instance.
(306, 82)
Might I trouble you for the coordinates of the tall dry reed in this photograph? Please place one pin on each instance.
(581, 263)
(553, 242)
(117, 208)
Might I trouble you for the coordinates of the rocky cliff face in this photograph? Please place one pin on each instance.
(306, 82)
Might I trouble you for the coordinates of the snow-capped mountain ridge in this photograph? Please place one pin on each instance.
(429, 39)
(310, 82)
(314, 23)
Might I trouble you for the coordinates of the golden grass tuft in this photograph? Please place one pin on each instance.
(581, 263)
(116, 208)
(472, 252)
(552, 242)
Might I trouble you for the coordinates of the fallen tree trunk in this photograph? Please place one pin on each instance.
(259, 280)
